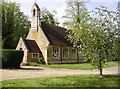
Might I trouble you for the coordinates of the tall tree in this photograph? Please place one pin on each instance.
(75, 12)
(14, 24)
(49, 17)
(97, 38)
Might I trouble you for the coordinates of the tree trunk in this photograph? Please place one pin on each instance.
(100, 68)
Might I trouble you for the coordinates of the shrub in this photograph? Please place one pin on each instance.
(41, 61)
(31, 64)
(11, 58)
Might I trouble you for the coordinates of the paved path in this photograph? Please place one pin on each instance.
(37, 72)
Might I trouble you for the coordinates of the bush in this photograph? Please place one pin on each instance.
(41, 61)
(31, 64)
(11, 58)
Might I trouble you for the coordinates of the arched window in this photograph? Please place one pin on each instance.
(34, 12)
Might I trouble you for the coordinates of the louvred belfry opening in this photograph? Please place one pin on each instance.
(35, 20)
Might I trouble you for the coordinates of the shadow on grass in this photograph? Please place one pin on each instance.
(109, 76)
(21, 68)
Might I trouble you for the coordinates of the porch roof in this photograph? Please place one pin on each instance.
(32, 45)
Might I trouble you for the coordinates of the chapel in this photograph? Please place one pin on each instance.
(48, 42)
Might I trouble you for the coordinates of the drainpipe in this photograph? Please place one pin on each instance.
(77, 56)
(61, 53)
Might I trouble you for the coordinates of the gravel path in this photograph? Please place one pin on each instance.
(37, 72)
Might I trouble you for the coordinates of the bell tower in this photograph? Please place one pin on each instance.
(35, 20)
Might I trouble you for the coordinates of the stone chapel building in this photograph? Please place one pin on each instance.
(48, 42)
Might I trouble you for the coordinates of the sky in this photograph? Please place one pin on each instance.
(60, 5)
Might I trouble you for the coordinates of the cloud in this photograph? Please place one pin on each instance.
(23, 1)
(57, 5)
(103, 0)
(60, 6)
(32, 1)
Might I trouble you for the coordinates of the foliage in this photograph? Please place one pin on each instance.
(41, 61)
(75, 13)
(104, 37)
(38, 63)
(14, 24)
(11, 58)
(49, 17)
(96, 36)
(31, 64)
(65, 81)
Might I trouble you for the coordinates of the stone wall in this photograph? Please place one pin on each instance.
(41, 40)
(30, 59)
(61, 59)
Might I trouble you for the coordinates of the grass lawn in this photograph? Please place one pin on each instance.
(66, 81)
(80, 66)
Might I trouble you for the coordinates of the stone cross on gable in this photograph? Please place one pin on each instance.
(35, 1)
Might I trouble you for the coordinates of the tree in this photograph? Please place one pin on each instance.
(96, 37)
(75, 12)
(105, 36)
(49, 17)
(14, 24)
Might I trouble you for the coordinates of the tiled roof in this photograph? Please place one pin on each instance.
(32, 45)
(56, 35)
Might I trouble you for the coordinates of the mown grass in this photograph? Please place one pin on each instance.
(80, 66)
(66, 81)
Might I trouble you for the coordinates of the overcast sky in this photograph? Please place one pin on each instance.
(60, 6)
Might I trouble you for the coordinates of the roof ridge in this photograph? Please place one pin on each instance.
(55, 34)
(54, 25)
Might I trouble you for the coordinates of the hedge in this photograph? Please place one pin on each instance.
(11, 58)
